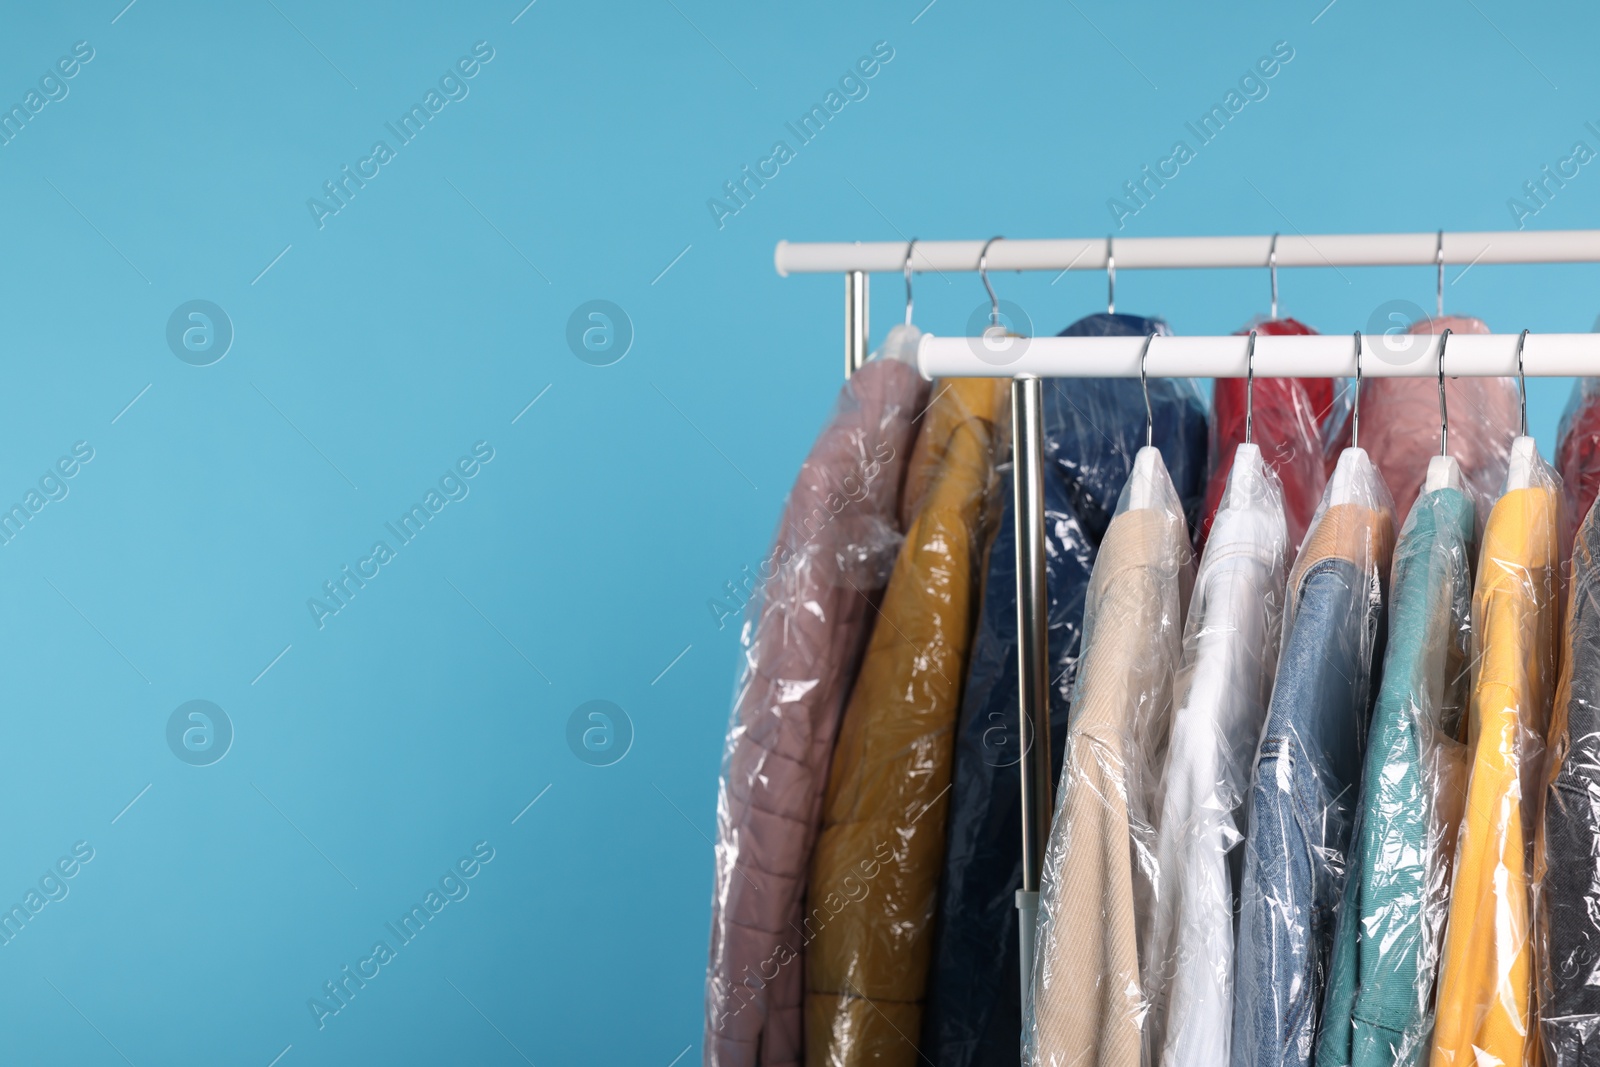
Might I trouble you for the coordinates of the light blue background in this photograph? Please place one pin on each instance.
(428, 313)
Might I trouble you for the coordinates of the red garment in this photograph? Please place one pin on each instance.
(1289, 413)
(1578, 452)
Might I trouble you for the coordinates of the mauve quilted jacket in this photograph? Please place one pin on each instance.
(834, 546)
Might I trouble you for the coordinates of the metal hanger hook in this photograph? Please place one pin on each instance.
(1438, 260)
(1249, 390)
(1444, 410)
(909, 247)
(1149, 415)
(1272, 269)
(1522, 383)
(983, 275)
(1355, 411)
(1111, 276)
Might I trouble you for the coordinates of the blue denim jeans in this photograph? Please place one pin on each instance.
(1302, 806)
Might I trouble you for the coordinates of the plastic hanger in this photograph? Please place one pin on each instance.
(1351, 482)
(1244, 479)
(1521, 473)
(1148, 466)
(1249, 386)
(910, 247)
(1524, 461)
(1272, 269)
(1352, 479)
(1443, 473)
(1274, 320)
(1443, 470)
(901, 344)
(1111, 276)
(1457, 323)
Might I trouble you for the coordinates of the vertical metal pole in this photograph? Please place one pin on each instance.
(1033, 653)
(856, 308)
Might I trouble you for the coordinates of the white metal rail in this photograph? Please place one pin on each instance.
(1159, 253)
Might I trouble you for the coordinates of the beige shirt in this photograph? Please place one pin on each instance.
(1088, 1006)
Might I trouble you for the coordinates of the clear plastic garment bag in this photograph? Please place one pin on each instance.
(1230, 653)
(1087, 1005)
(803, 634)
(1303, 802)
(1485, 1001)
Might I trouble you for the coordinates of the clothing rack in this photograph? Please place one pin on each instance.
(1026, 360)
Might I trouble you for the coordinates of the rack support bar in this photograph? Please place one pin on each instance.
(1033, 652)
(857, 314)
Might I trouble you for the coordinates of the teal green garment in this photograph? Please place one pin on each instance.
(1386, 952)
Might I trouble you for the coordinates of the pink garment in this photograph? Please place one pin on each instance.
(1400, 425)
(834, 550)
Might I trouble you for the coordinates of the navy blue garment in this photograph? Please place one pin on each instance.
(1092, 428)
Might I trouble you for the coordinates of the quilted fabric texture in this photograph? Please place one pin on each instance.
(838, 534)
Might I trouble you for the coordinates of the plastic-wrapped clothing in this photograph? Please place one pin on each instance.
(835, 544)
(1230, 650)
(1378, 1011)
(1578, 451)
(875, 871)
(1328, 407)
(1087, 1008)
(1303, 801)
(1400, 425)
(1567, 894)
(1096, 453)
(973, 1011)
(1486, 977)
(1334, 419)
(1285, 426)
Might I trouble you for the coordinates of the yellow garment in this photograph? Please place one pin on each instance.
(954, 402)
(875, 871)
(1486, 978)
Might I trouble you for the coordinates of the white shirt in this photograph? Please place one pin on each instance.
(1223, 688)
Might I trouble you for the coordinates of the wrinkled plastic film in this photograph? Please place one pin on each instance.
(1229, 656)
(1400, 424)
(1378, 1011)
(804, 630)
(1103, 429)
(1335, 419)
(1483, 1013)
(874, 875)
(1578, 452)
(1303, 801)
(1099, 878)
(1567, 897)
(1092, 428)
(1284, 418)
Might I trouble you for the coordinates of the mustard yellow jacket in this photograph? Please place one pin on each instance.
(875, 872)
(1486, 974)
